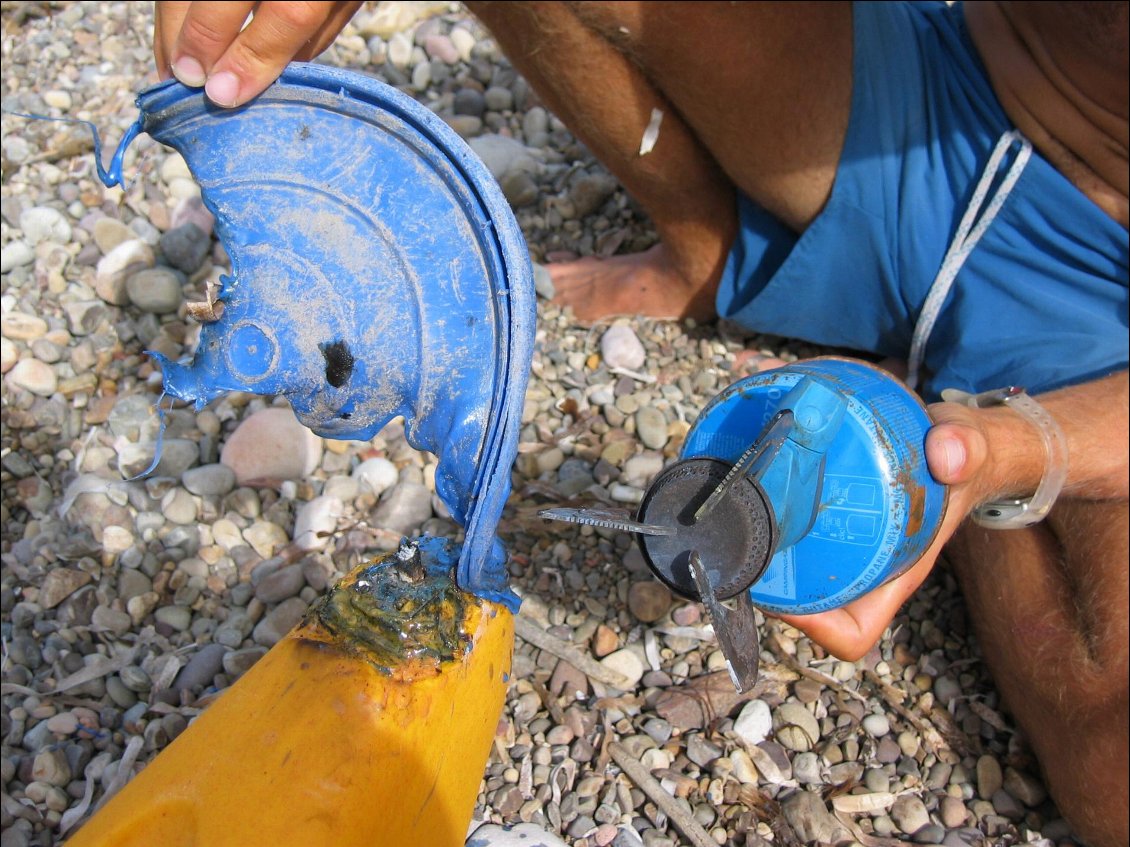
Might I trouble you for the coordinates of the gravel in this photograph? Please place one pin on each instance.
(129, 604)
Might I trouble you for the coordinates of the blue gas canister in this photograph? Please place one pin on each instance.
(830, 495)
(797, 490)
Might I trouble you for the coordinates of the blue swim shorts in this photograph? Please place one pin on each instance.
(1042, 299)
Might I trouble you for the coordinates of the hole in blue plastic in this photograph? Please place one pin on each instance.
(339, 363)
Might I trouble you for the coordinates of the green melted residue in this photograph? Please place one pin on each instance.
(402, 607)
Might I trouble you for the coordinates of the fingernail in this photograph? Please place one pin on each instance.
(954, 452)
(189, 71)
(222, 88)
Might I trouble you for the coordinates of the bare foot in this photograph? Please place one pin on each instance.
(638, 284)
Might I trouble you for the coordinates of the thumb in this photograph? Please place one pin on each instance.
(956, 446)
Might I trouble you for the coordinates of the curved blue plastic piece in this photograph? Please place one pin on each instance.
(377, 271)
(794, 478)
(879, 508)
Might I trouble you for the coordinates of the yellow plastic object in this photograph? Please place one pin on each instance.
(369, 725)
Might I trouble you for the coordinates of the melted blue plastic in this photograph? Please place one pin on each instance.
(377, 271)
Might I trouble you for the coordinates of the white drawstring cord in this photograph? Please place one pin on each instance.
(966, 238)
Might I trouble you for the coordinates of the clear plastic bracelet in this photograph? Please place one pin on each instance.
(1022, 512)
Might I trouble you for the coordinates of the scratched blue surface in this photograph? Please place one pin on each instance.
(879, 509)
(377, 271)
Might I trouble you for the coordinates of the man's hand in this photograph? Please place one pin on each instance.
(984, 454)
(207, 44)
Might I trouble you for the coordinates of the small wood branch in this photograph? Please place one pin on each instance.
(667, 804)
(534, 635)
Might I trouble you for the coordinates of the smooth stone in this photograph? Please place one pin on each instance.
(316, 521)
(641, 469)
(651, 427)
(177, 618)
(278, 622)
(400, 50)
(201, 668)
(16, 254)
(109, 232)
(806, 768)
(114, 620)
(649, 601)
(909, 814)
(85, 316)
(116, 267)
(754, 722)
(22, 327)
(1007, 806)
(464, 42)
(58, 99)
(952, 812)
(238, 662)
(520, 189)
(191, 210)
(989, 777)
(213, 480)
(174, 167)
(620, 347)
(51, 766)
(441, 47)
(590, 192)
(469, 101)
(43, 223)
(1024, 787)
(265, 538)
(281, 585)
(179, 507)
(185, 247)
(157, 291)
(403, 508)
(498, 99)
(503, 155)
(9, 354)
(377, 474)
(34, 376)
(59, 584)
(271, 445)
(626, 663)
(543, 282)
(521, 835)
(795, 727)
(876, 725)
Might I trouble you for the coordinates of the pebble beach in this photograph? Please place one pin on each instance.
(129, 606)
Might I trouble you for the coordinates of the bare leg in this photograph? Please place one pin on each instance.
(1049, 605)
(755, 97)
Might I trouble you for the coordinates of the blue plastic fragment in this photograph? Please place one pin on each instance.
(377, 271)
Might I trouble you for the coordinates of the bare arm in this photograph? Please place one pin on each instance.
(987, 454)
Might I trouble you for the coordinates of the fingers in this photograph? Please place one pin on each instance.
(207, 32)
(168, 18)
(278, 32)
(849, 632)
(208, 44)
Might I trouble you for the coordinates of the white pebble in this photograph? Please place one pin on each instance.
(34, 376)
(316, 521)
(377, 474)
(754, 723)
(42, 223)
(621, 348)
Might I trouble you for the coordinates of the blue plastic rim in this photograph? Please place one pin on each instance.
(879, 509)
(377, 271)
